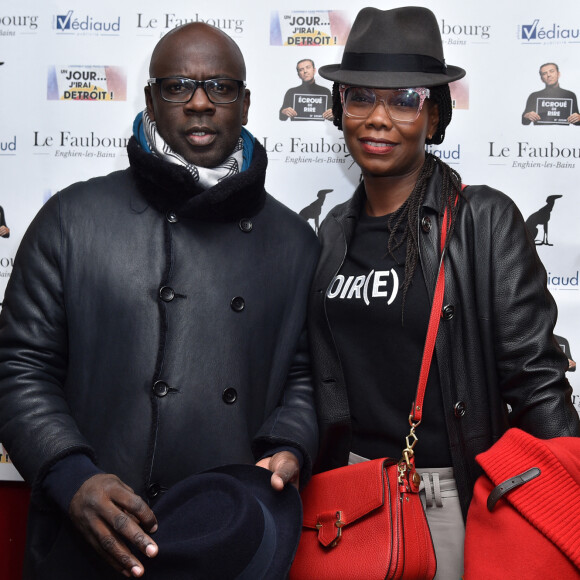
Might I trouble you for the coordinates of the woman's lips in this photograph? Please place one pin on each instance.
(376, 146)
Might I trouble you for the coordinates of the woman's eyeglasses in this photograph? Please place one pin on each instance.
(403, 105)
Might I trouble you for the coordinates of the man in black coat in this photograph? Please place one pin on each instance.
(153, 325)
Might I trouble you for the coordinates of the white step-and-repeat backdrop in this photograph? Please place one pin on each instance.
(72, 77)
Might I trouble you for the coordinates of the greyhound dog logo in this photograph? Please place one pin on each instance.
(313, 210)
(541, 218)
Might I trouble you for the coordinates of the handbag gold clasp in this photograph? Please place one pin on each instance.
(338, 525)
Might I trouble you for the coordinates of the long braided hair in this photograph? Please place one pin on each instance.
(402, 224)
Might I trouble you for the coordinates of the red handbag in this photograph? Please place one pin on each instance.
(366, 521)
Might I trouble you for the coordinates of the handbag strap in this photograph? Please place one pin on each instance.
(416, 414)
(434, 318)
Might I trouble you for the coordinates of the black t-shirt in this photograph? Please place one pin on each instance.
(381, 351)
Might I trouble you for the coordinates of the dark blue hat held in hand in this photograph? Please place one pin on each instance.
(226, 523)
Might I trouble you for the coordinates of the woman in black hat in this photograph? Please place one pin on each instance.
(496, 363)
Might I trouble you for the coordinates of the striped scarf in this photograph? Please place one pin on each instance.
(145, 131)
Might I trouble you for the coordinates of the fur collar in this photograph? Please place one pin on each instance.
(170, 187)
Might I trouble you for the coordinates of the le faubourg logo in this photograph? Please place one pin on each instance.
(459, 33)
(6, 265)
(10, 25)
(170, 20)
(528, 155)
(71, 23)
(6, 262)
(66, 144)
(299, 150)
(540, 32)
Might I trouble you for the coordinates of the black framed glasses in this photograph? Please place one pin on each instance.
(181, 89)
(403, 105)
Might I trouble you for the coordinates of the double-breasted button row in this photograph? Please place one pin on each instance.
(167, 294)
(161, 389)
(245, 224)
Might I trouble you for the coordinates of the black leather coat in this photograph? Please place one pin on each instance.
(495, 343)
(159, 333)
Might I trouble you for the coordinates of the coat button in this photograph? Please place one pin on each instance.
(171, 217)
(160, 388)
(230, 396)
(459, 409)
(426, 224)
(448, 312)
(154, 490)
(237, 304)
(166, 293)
(246, 225)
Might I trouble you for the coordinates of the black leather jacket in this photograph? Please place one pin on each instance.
(161, 335)
(495, 343)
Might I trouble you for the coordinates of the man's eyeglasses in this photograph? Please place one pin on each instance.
(181, 89)
(403, 105)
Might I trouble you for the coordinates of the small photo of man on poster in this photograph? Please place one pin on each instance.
(553, 105)
(308, 101)
(4, 229)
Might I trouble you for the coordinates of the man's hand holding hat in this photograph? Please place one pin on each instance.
(284, 467)
(110, 516)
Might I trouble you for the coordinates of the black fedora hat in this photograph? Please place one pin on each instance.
(226, 523)
(393, 49)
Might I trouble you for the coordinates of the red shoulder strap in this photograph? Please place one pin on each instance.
(434, 318)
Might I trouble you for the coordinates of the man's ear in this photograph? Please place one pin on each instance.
(149, 102)
(246, 106)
